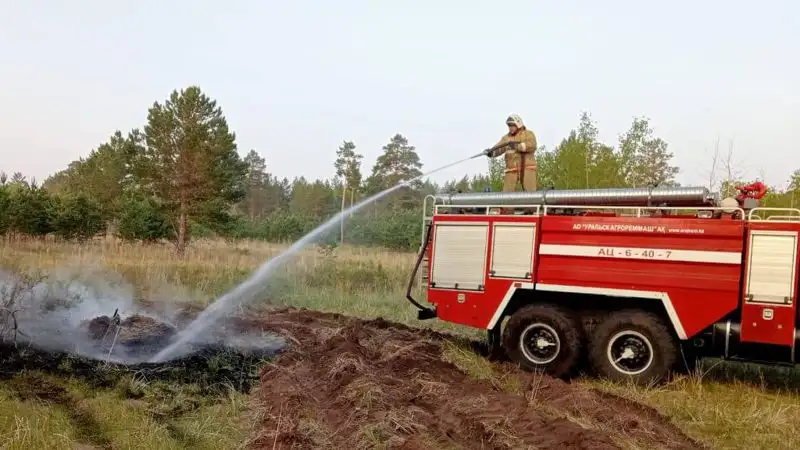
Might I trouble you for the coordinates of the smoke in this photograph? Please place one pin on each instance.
(55, 312)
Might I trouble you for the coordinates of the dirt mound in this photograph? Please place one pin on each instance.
(145, 330)
(134, 330)
(345, 383)
(98, 327)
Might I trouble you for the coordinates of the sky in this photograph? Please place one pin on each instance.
(297, 78)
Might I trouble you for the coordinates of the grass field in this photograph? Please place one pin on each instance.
(724, 405)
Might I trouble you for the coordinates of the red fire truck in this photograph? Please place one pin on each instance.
(636, 282)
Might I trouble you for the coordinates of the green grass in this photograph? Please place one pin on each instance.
(727, 406)
(42, 411)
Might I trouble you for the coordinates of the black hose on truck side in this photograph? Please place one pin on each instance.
(424, 313)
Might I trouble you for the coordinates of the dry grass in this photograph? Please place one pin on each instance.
(209, 268)
(730, 406)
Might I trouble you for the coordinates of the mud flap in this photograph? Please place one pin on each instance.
(494, 344)
(425, 314)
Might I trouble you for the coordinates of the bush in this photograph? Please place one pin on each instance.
(394, 231)
(77, 218)
(30, 210)
(5, 206)
(142, 219)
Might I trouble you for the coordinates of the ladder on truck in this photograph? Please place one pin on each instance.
(427, 220)
(423, 269)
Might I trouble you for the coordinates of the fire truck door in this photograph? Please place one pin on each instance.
(769, 306)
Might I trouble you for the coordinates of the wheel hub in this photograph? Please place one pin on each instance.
(630, 352)
(540, 343)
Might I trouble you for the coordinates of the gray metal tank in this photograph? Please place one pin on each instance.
(669, 196)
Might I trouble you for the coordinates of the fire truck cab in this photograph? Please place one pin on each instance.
(638, 282)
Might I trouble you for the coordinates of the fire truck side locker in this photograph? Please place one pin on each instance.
(769, 316)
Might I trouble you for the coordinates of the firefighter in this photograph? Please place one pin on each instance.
(519, 147)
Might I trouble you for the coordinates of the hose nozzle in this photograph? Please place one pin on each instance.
(481, 153)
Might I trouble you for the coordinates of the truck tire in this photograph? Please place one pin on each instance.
(543, 338)
(633, 345)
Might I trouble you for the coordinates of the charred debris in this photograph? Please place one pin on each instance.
(123, 347)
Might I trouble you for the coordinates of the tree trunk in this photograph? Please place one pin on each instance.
(341, 230)
(352, 194)
(183, 220)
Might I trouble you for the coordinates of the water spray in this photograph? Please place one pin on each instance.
(248, 289)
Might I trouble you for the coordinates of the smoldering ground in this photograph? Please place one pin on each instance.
(85, 319)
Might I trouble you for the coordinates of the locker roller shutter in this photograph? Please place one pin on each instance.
(459, 255)
(512, 252)
(772, 267)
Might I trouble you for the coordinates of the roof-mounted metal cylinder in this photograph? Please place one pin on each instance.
(658, 196)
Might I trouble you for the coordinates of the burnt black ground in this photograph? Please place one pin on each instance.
(214, 369)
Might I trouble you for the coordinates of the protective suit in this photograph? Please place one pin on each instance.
(519, 147)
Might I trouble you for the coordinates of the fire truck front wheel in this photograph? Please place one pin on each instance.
(633, 345)
(543, 338)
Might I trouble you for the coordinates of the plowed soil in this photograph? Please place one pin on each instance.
(349, 383)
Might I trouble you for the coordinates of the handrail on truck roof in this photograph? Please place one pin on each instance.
(776, 218)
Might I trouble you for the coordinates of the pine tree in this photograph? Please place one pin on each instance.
(190, 161)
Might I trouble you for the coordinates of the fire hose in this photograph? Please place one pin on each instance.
(424, 313)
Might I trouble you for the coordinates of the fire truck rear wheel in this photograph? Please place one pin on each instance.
(633, 345)
(543, 338)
